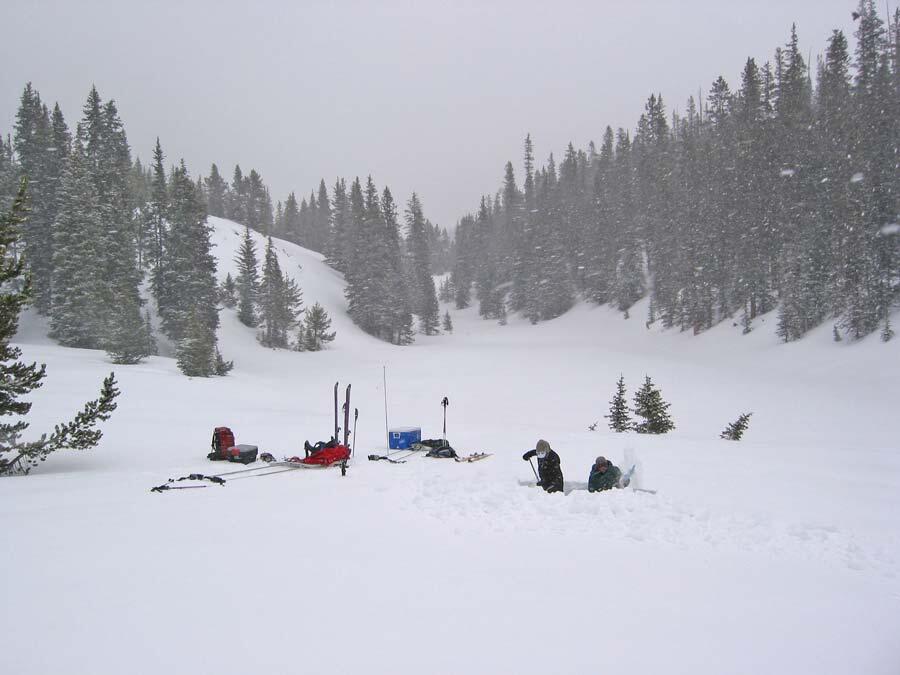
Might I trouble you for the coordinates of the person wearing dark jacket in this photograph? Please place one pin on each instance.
(551, 478)
(604, 476)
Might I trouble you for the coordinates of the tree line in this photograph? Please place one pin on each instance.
(92, 239)
(103, 229)
(781, 194)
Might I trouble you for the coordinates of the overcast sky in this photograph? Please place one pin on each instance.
(427, 96)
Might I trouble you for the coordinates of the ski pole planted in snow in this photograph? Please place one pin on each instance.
(444, 404)
(335, 412)
(534, 470)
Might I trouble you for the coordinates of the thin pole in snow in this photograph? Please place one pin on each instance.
(387, 435)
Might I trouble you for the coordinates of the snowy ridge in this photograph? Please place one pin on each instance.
(775, 554)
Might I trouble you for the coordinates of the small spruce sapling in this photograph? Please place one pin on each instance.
(736, 429)
(448, 322)
(228, 292)
(314, 333)
(887, 332)
(619, 418)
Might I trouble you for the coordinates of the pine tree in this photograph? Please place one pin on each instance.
(33, 142)
(221, 367)
(340, 240)
(291, 219)
(427, 309)
(151, 348)
(398, 300)
(887, 332)
(619, 418)
(185, 283)
(247, 280)
(228, 292)
(445, 290)
(237, 202)
(77, 282)
(157, 208)
(736, 429)
(196, 352)
(20, 379)
(463, 268)
(649, 405)
(279, 301)
(216, 192)
(119, 248)
(129, 341)
(448, 322)
(321, 229)
(314, 334)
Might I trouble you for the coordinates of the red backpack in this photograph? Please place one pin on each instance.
(222, 440)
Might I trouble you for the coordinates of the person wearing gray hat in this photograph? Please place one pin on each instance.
(604, 476)
(551, 478)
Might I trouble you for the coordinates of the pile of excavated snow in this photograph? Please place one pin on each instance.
(775, 554)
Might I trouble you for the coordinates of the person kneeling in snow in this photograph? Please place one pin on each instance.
(604, 476)
(548, 466)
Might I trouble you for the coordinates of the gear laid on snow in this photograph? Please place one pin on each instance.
(224, 448)
(551, 477)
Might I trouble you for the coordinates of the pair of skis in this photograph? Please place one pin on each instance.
(346, 410)
(218, 479)
(398, 456)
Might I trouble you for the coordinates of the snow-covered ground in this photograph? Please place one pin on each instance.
(777, 554)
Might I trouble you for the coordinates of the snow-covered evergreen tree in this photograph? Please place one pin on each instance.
(314, 334)
(279, 299)
(216, 192)
(650, 406)
(196, 351)
(427, 307)
(77, 319)
(185, 283)
(228, 292)
(130, 340)
(247, 280)
(20, 379)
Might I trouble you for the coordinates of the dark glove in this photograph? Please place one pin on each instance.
(540, 483)
(528, 455)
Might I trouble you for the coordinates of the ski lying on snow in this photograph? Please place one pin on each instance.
(166, 486)
(300, 465)
(396, 457)
(281, 469)
(474, 457)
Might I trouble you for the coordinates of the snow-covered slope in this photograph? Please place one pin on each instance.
(778, 554)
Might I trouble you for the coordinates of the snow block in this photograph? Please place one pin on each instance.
(400, 438)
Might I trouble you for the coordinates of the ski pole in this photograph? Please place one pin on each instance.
(335, 411)
(445, 403)
(355, 417)
(534, 470)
